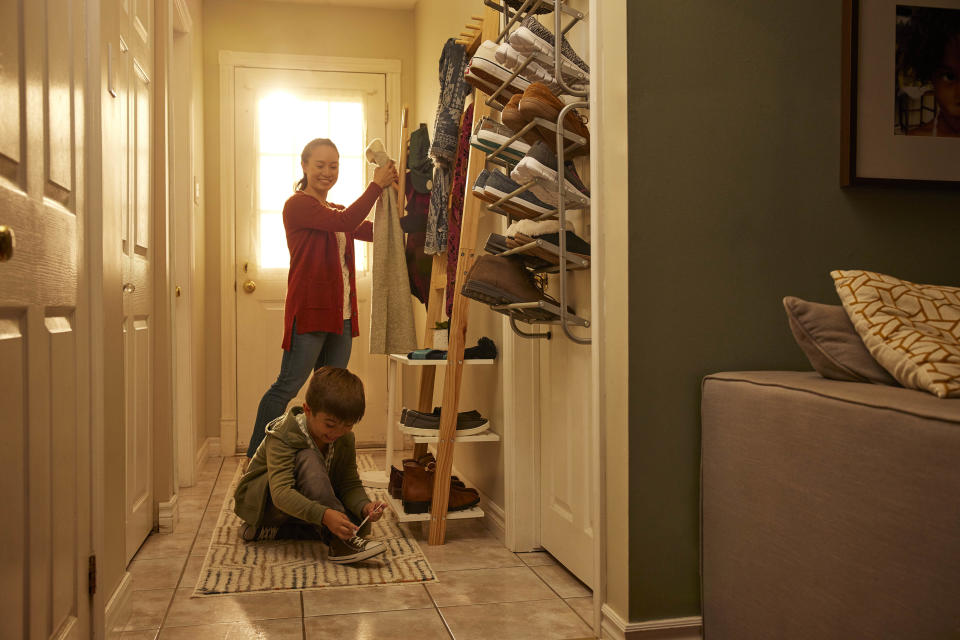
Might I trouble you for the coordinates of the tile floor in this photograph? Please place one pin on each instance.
(484, 591)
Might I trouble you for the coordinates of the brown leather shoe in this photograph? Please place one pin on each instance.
(395, 484)
(512, 118)
(417, 491)
(539, 102)
(424, 460)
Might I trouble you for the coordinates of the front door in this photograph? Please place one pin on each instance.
(277, 112)
(44, 394)
(133, 163)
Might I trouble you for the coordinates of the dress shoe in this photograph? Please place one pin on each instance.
(417, 491)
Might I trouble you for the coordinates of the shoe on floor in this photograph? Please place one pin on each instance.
(353, 549)
(254, 534)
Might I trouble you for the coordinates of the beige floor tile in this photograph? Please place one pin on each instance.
(156, 573)
(481, 586)
(421, 624)
(165, 545)
(147, 609)
(365, 599)
(471, 553)
(188, 523)
(549, 620)
(147, 634)
(536, 558)
(562, 581)
(289, 629)
(191, 573)
(583, 607)
(202, 544)
(186, 611)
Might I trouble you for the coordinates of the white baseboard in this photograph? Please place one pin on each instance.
(118, 608)
(613, 627)
(169, 514)
(212, 445)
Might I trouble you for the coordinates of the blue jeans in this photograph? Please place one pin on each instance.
(308, 352)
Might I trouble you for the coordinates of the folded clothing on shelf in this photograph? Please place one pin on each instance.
(485, 349)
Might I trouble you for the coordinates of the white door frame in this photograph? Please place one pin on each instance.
(182, 247)
(229, 61)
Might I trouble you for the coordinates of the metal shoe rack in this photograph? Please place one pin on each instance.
(542, 311)
(496, 22)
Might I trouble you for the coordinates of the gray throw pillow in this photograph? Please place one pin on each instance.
(832, 345)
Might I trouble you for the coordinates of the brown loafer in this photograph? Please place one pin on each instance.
(512, 118)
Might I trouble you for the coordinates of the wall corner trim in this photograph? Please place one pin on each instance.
(616, 628)
(118, 608)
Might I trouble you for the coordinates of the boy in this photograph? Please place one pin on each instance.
(302, 481)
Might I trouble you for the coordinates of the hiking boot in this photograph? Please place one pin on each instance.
(353, 549)
(496, 280)
(417, 490)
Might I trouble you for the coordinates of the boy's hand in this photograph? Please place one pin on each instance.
(339, 524)
(374, 510)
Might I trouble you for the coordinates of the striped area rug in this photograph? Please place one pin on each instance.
(233, 566)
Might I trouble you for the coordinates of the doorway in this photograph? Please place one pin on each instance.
(277, 105)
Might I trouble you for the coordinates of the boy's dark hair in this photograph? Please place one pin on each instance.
(336, 392)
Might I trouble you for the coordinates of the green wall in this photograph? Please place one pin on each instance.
(734, 161)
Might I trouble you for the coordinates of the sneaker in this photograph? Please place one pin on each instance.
(490, 135)
(469, 423)
(545, 7)
(532, 38)
(525, 204)
(534, 70)
(486, 74)
(255, 534)
(540, 165)
(354, 549)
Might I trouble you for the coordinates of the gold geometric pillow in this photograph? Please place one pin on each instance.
(913, 330)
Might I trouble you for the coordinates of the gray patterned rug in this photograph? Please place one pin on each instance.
(234, 566)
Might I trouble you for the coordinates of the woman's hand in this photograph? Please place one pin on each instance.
(374, 510)
(386, 175)
(339, 524)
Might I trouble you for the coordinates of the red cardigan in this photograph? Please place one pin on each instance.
(314, 283)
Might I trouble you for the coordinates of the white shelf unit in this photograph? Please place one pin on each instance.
(402, 516)
(381, 479)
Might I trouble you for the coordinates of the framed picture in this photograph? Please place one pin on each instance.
(901, 92)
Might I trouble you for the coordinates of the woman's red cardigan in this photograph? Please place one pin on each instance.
(314, 283)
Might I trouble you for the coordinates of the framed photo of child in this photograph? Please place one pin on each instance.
(901, 92)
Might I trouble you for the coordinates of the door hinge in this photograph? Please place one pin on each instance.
(92, 574)
(386, 114)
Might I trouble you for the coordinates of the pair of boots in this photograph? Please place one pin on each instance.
(414, 487)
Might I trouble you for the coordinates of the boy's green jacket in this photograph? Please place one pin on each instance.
(273, 467)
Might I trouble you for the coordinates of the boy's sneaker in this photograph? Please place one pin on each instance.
(353, 549)
(254, 534)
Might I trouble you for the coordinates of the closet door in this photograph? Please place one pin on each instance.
(277, 112)
(44, 400)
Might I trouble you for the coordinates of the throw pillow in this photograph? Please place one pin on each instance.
(831, 344)
(913, 330)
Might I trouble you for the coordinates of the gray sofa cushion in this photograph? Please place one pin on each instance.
(831, 343)
(830, 510)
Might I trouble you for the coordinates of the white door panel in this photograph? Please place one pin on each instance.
(267, 165)
(45, 541)
(565, 445)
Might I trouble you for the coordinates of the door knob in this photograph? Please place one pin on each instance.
(178, 291)
(7, 242)
(129, 287)
(249, 286)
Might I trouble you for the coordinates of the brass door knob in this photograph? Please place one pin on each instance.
(129, 287)
(178, 291)
(7, 242)
(249, 286)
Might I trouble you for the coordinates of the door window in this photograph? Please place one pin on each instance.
(286, 122)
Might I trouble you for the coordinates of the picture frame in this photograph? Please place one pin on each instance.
(895, 129)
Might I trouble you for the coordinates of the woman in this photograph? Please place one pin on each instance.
(321, 308)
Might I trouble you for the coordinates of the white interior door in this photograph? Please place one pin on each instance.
(133, 162)
(277, 113)
(567, 476)
(45, 492)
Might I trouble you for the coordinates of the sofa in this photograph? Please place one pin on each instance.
(830, 510)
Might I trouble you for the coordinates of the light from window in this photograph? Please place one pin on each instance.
(286, 123)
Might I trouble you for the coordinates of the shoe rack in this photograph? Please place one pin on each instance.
(566, 142)
(496, 22)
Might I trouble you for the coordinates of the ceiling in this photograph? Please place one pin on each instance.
(378, 4)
